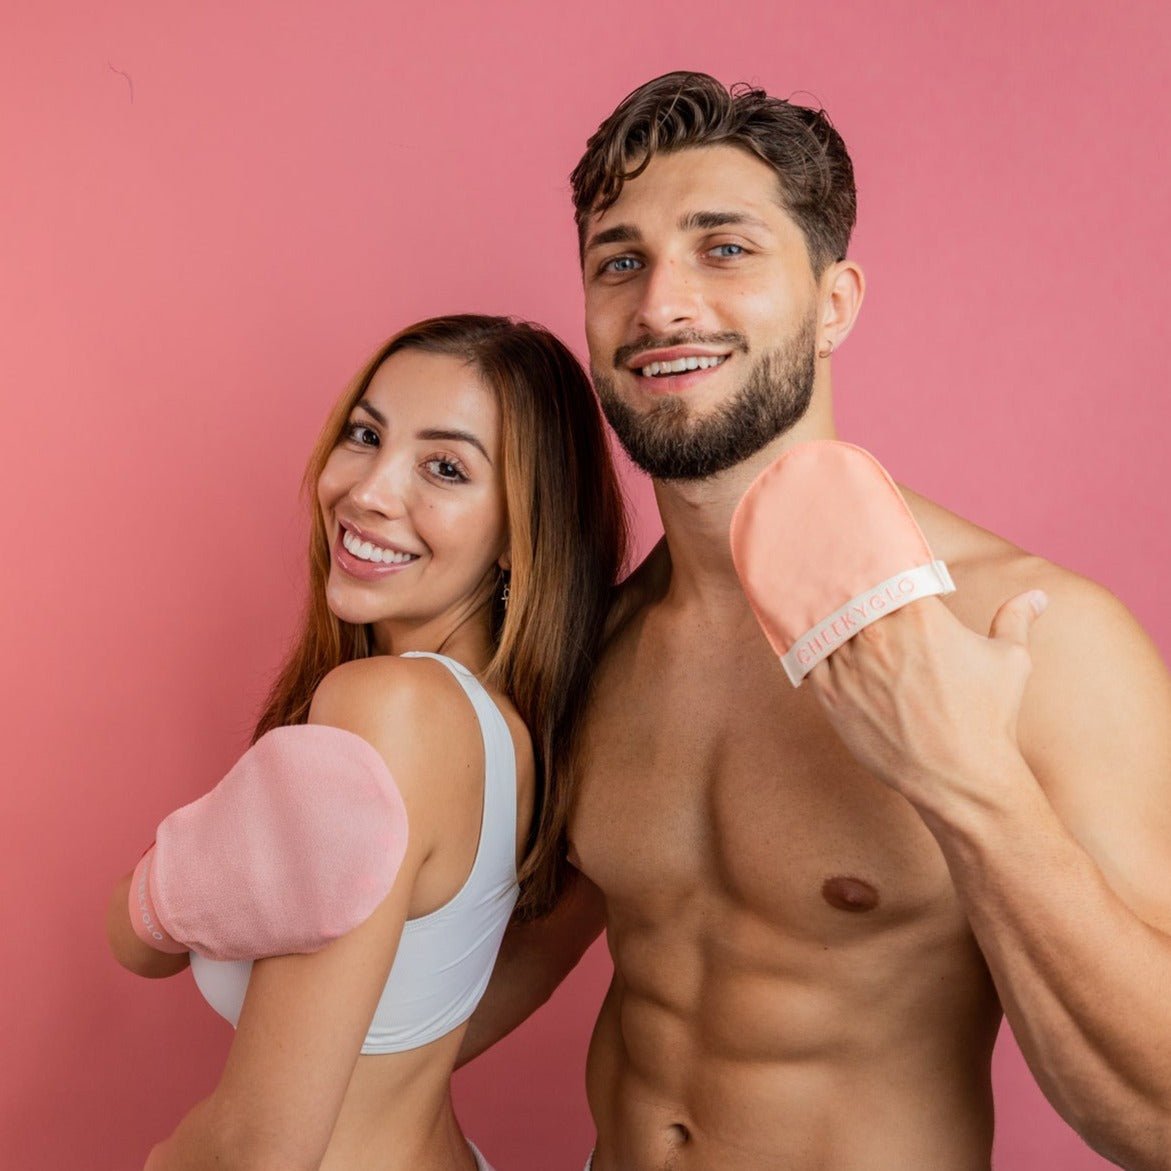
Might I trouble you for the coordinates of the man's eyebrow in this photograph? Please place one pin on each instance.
(695, 221)
(456, 437)
(706, 221)
(619, 234)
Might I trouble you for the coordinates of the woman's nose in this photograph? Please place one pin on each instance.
(381, 490)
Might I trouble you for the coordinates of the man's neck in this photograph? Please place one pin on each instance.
(697, 517)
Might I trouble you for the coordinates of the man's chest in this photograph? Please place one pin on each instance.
(715, 779)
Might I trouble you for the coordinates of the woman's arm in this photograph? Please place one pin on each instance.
(305, 1016)
(296, 1045)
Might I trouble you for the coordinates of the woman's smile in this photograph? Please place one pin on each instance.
(365, 560)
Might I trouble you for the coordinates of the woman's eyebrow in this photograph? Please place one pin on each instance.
(450, 434)
(373, 412)
(456, 436)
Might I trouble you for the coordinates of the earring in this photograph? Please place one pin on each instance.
(829, 349)
(507, 591)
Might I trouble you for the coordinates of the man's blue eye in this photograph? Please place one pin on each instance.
(739, 249)
(620, 264)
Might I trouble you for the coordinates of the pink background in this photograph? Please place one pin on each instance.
(209, 214)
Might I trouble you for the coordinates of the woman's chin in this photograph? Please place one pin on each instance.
(346, 608)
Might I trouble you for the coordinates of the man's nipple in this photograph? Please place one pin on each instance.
(849, 894)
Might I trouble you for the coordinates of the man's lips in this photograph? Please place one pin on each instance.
(673, 370)
(674, 354)
(675, 382)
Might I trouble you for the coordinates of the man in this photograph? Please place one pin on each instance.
(819, 901)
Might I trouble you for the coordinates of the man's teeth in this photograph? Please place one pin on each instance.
(680, 365)
(365, 551)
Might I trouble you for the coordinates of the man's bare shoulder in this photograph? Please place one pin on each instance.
(644, 586)
(1096, 672)
(1095, 724)
(989, 570)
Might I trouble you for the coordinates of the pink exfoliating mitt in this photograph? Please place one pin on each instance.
(297, 845)
(824, 545)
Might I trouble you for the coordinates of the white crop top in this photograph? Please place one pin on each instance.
(445, 958)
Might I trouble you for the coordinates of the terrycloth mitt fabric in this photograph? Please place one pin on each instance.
(824, 545)
(297, 845)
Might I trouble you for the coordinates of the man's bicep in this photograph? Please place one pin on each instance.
(1096, 731)
(558, 940)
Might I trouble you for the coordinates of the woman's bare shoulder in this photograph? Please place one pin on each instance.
(413, 712)
(387, 693)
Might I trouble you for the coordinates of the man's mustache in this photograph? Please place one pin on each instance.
(644, 345)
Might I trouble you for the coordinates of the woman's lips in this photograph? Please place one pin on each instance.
(363, 570)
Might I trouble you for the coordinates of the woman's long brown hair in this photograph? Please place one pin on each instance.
(567, 545)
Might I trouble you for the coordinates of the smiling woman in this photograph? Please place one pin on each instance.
(414, 491)
(456, 606)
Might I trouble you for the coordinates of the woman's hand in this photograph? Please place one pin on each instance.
(128, 949)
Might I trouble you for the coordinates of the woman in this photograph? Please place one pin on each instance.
(470, 451)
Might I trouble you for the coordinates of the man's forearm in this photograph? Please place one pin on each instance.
(1083, 980)
(525, 976)
(507, 1004)
(534, 958)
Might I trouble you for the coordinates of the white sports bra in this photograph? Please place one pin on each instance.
(445, 958)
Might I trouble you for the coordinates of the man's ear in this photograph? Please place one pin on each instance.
(843, 286)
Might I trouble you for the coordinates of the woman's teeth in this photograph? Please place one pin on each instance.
(365, 551)
(681, 364)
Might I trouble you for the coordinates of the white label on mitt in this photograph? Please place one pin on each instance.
(822, 639)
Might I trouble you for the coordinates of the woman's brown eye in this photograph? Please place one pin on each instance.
(446, 469)
(360, 433)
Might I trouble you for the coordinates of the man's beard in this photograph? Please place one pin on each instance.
(671, 443)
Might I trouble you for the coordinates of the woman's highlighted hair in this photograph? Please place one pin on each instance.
(567, 545)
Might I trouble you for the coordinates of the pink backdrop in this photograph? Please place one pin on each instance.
(209, 214)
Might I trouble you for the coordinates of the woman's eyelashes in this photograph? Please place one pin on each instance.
(446, 469)
(361, 433)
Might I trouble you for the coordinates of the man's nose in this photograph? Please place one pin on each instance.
(671, 298)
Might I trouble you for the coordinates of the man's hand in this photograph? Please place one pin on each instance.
(929, 706)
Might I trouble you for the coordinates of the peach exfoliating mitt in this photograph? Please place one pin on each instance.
(824, 545)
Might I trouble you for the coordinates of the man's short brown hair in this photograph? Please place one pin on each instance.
(681, 110)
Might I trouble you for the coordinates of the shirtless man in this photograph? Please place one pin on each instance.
(820, 901)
